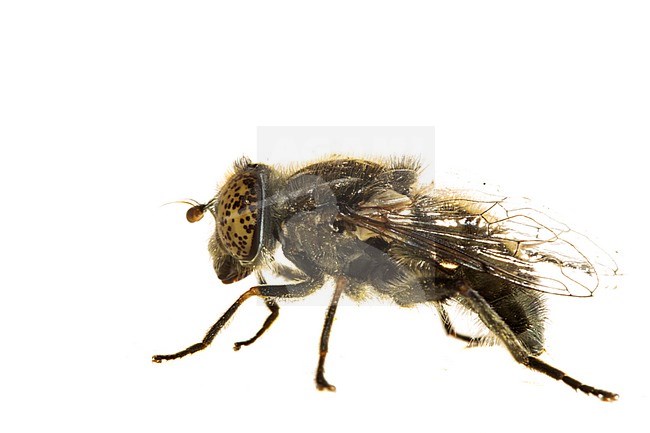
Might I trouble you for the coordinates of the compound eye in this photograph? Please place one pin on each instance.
(239, 216)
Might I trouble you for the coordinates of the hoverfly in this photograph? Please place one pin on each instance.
(369, 227)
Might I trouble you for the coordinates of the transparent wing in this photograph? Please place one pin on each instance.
(498, 235)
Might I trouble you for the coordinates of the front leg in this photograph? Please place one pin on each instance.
(298, 290)
(275, 312)
(321, 383)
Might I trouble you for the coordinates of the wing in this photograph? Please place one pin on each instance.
(498, 235)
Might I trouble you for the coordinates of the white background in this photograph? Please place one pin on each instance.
(108, 110)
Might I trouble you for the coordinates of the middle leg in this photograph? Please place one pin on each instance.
(275, 312)
(449, 328)
(321, 383)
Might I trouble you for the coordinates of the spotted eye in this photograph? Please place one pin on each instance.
(239, 216)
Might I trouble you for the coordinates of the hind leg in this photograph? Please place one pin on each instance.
(498, 326)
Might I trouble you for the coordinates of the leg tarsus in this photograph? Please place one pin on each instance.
(539, 365)
(192, 349)
(321, 383)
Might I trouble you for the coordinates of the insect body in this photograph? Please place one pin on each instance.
(369, 227)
